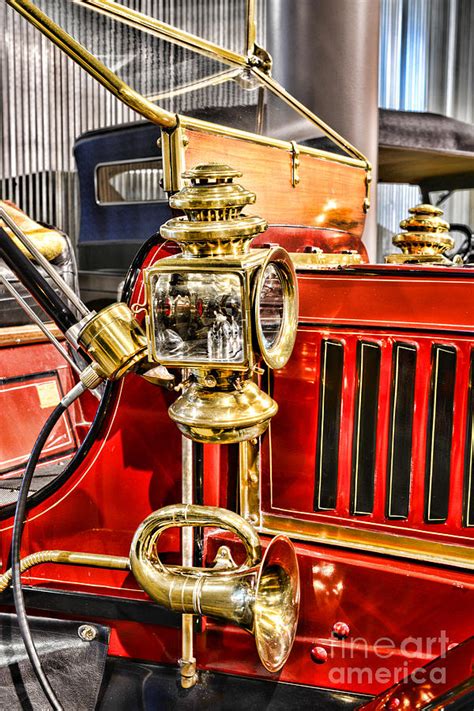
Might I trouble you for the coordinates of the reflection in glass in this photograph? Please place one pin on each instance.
(271, 306)
(130, 181)
(198, 317)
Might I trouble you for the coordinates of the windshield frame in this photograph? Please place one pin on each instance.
(256, 61)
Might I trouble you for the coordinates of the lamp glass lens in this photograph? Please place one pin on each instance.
(271, 306)
(197, 317)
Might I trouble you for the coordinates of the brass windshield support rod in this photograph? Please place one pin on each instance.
(251, 28)
(187, 662)
(36, 319)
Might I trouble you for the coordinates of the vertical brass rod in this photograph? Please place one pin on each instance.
(187, 661)
(36, 319)
(251, 29)
(249, 480)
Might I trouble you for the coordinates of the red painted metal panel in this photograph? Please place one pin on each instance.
(133, 468)
(29, 402)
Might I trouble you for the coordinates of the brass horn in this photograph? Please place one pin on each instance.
(262, 595)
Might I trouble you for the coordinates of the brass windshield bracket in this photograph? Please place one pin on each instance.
(261, 59)
(173, 146)
(295, 164)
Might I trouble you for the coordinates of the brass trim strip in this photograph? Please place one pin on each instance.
(379, 542)
(96, 69)
(217, 129)
(250, 27)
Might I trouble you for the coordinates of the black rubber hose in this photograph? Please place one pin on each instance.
(18, 526)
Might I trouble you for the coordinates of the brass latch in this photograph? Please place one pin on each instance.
(295, 164)
(368, 182)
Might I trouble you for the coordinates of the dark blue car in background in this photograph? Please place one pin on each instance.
(122, 204)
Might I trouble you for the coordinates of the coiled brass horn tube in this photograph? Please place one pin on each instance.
(203, 591)
(94, 560)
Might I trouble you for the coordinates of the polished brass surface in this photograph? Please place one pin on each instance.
(158, 375)
(114, 340)
(94, 560)
(220, 402)
(262, 595)
(391, 544)
(50, 243)
(295, 164)
(251, 28)
(173, 145)
(187, 663)
(278, 354)
(318, 259)
(219, 416)
(249, 480)
(213, 238)
(213, 225)
(425, 240)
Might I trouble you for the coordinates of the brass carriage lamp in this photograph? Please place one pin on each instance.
(220, 307)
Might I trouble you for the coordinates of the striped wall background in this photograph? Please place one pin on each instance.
(427, 63)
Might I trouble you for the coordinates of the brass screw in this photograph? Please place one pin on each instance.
(210, 381)
(87, 633)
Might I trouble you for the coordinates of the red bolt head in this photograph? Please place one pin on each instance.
(319, 655)
(341, 630)
(393, 704)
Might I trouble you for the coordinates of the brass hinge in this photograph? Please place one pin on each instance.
(295, 164)
(368, 183)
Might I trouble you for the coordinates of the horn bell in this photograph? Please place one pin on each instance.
(261, 596)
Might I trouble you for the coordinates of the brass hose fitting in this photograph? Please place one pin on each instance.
(114, 340)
